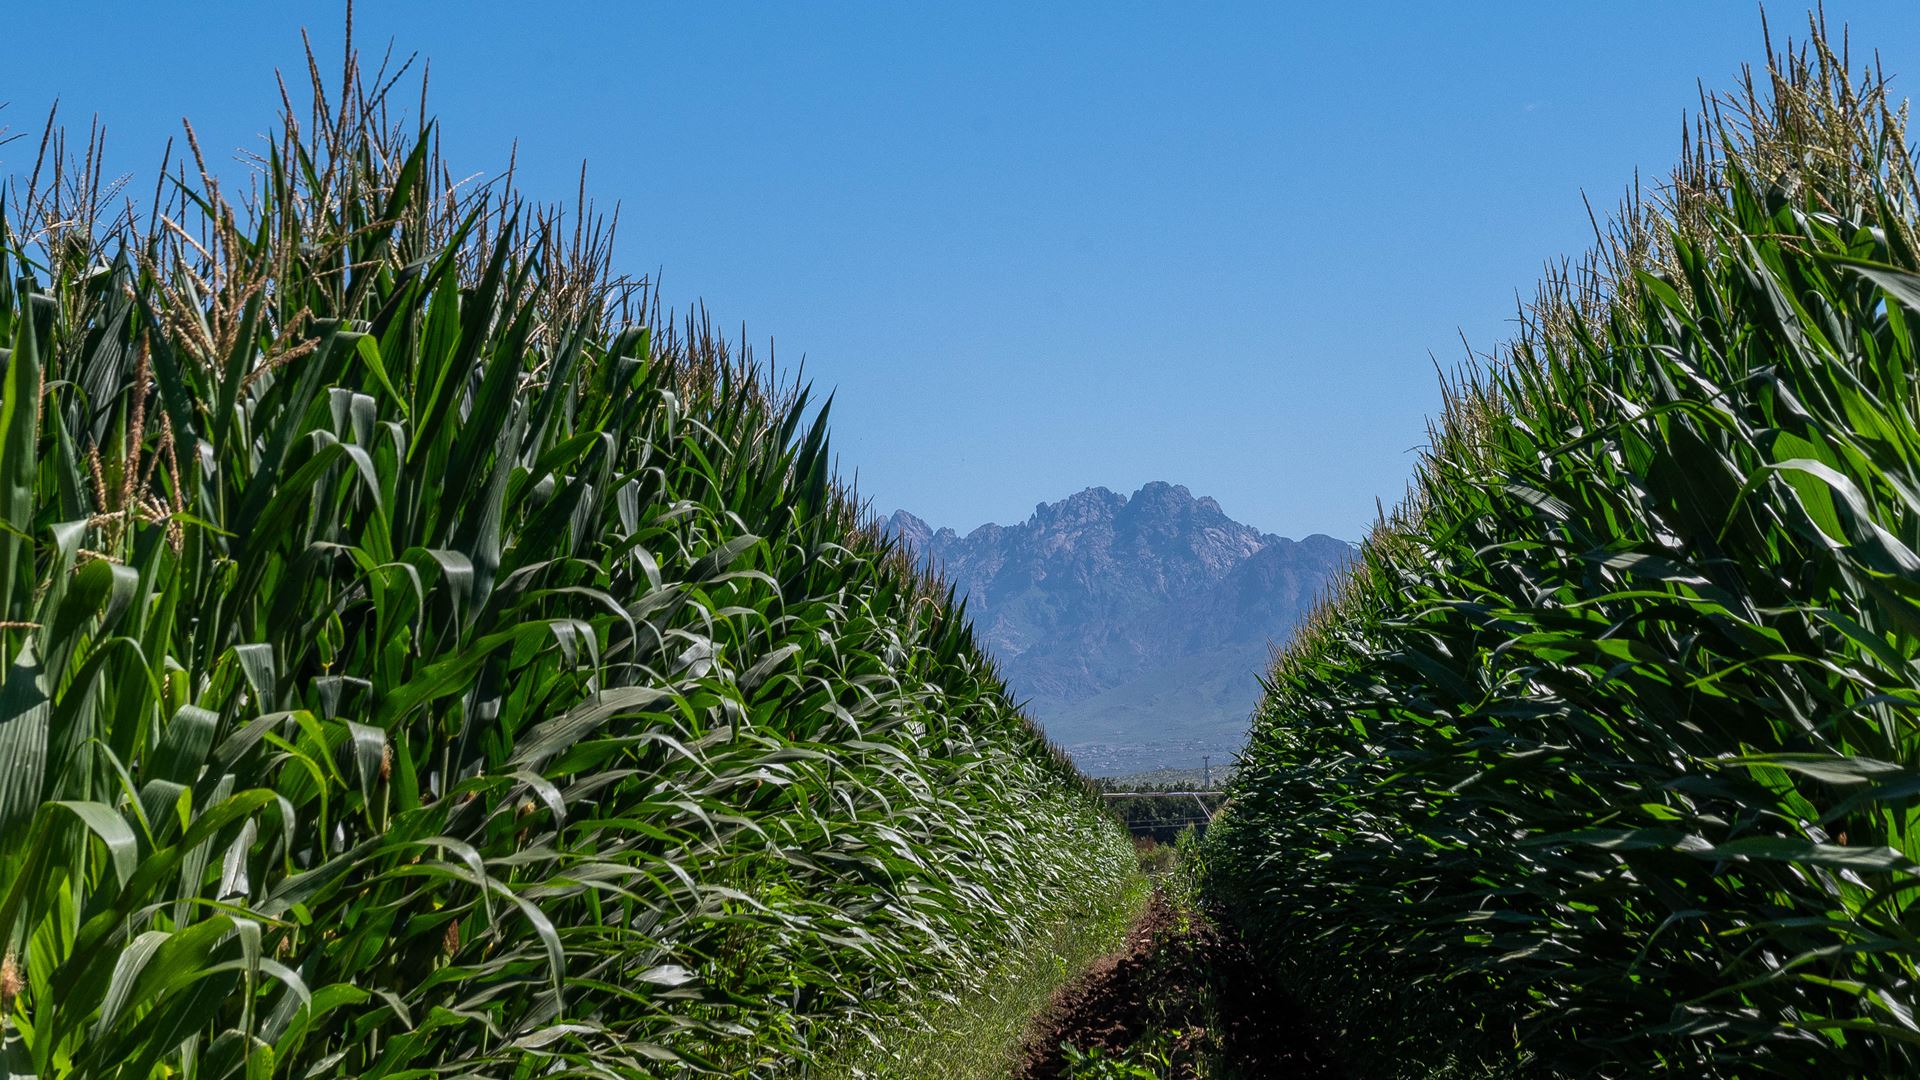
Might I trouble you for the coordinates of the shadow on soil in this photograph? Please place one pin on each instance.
(1182, 1000)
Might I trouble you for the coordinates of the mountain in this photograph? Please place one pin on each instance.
(1136, 628)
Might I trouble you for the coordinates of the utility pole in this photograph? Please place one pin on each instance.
(1206, 770)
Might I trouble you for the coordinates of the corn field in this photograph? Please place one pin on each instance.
(424, 658)
(1606, 760)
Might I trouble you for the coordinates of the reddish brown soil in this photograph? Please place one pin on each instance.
(1179, 972)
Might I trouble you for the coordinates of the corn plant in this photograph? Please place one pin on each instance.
(423, 657)
(1605, 761)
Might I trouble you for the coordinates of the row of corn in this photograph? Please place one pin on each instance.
(423, 659)
(1606, 761)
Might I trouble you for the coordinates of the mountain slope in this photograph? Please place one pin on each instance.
(1136, 625)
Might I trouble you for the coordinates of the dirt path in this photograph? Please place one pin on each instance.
(1184, 999)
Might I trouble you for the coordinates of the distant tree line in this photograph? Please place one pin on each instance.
(1158, 816)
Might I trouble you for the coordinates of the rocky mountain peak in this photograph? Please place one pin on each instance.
(1091, 506)
(1144, 619)
(915, 533)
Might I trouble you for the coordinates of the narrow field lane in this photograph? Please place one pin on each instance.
(1181, 1000)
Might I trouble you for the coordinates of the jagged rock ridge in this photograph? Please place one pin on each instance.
(1136, 627)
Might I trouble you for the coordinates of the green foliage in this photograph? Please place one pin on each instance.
(1137, 1063)
(1186, 873)
(1160, 811)
(980, 1033)
(424, 659)
(1605, 762)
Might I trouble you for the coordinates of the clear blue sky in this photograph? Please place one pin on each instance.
(1035, 247)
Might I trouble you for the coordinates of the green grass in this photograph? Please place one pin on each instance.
(977, 1035)
(423, 657)
(1605, 761)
